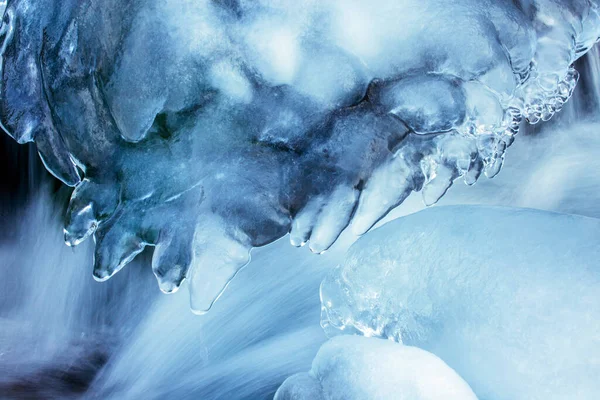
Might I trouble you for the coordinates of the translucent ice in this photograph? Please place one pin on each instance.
(506, 297)
(356, 368)
(207, 128)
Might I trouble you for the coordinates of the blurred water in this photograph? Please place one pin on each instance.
(62, 335)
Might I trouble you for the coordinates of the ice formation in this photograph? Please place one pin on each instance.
(206, 128)
(356, 368)
(506, 297)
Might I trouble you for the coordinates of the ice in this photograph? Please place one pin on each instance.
(207, 128)
(354, 367)
(506, 297)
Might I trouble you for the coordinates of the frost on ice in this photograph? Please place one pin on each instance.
(506, 297)
(206, 128)
(354, 368)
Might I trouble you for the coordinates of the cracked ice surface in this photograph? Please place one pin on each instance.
(354, 368)
(206, 128)
(507, 297)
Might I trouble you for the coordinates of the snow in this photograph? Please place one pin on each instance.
(355, 367)
(506, 297)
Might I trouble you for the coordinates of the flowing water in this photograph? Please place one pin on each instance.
(63, 335)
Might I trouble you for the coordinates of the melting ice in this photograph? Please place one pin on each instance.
(207, 128)
(204, 129)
